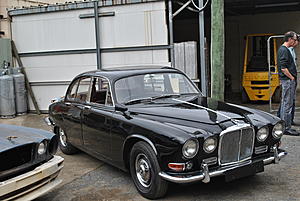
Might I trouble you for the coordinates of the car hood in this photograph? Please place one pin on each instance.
(13, 136)
(196, 109)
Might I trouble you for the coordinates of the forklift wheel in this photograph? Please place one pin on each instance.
(277, 95)
(245, 98)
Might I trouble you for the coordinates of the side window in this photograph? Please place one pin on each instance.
(100, 91)
(79, 90)
(82, 94)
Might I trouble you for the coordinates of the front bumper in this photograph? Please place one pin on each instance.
(205, 174)
(32, 184)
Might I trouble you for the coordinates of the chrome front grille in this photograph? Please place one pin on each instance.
(236, 144)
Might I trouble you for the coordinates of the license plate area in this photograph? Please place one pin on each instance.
(244, 171)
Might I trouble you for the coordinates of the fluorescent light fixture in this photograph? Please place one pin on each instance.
(276, 5)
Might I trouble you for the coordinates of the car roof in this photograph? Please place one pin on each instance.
(120, 72)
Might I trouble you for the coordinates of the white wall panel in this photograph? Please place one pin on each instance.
(135, 58)
(53, 31)
(59, 67)
(134, 25)
(44, 95)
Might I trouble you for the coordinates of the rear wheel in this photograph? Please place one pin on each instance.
(65, 146)
(144, 169)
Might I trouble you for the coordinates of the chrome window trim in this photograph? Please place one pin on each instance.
(231, 129)
(109, 83)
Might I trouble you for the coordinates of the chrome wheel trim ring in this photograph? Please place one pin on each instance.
(62, 138)
(143, 170)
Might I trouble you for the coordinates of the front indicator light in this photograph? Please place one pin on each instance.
(178, 167)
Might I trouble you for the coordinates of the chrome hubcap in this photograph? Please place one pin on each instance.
(142, 169)
(62, 138)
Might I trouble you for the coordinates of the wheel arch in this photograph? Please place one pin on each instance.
(128, 144)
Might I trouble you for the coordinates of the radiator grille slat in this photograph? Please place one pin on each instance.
(236, 145)
(230, 153)
(246, 144)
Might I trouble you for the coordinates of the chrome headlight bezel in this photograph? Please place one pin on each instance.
(190, 148)
(262, 134)
(42, 148)
(278, 130)
(210, 145)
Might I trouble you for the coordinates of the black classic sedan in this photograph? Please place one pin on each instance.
(155, 123)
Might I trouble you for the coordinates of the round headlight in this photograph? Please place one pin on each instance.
(262, 134)
(209, 145)
(278, 130)
(42, 148)
(190, 148)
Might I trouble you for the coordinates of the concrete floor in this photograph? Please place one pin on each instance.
(85, 178)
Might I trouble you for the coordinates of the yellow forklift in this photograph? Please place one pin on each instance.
(256, 86)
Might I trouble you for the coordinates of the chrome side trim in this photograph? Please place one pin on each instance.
(143, 138)
(204, 175)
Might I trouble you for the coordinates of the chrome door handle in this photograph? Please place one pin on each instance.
(86, 107)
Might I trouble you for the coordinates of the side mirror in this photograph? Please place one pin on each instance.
(121, 108)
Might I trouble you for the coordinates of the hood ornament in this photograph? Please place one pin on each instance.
(11, 137)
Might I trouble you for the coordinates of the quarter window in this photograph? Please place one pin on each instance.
(72, 91)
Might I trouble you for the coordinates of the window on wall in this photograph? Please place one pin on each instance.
(100, 91)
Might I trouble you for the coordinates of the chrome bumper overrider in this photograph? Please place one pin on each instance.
(205, 175)
(48, 121)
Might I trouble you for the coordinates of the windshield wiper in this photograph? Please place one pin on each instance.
(165, 96)
(149, 99)
(190, 94)
(138, 100)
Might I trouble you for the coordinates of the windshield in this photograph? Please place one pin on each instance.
(152, 85)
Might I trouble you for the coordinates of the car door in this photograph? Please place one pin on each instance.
(96, 120)
(75, 101)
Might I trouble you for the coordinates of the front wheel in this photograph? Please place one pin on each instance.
(65, 146)
(144, 169)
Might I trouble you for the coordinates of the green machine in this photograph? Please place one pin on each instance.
(5, 53)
